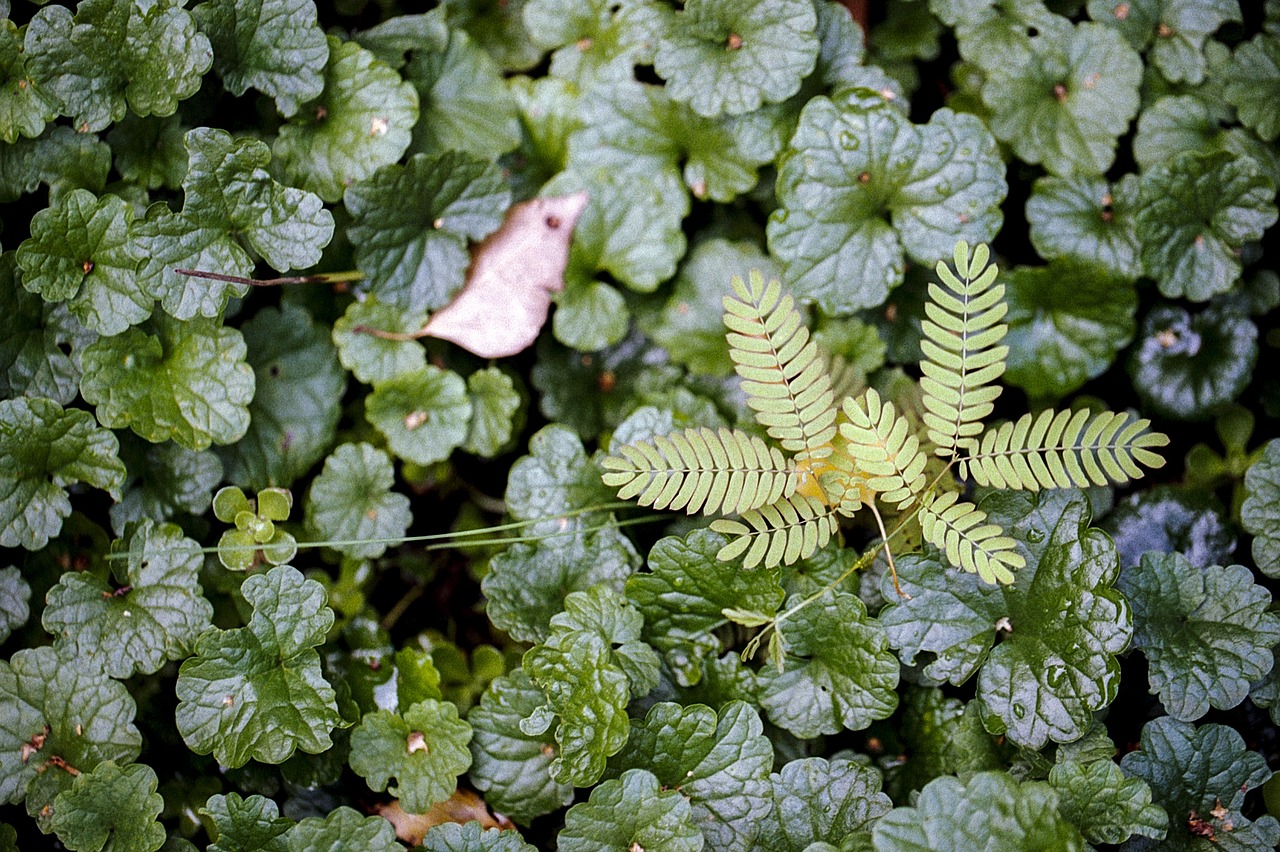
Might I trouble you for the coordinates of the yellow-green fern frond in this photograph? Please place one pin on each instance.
(1063, 449)
(701, 470)
(960, 531)
(783, 374)
(883, 448)
(779, 534)
(963, 357)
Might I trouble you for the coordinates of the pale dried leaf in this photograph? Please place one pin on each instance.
(462, 807)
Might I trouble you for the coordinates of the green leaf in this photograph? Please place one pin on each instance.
(860, 184)
(1200, 777)
(24, 108)
(351, 502)
(729, 56)
(513, 768)
(597, 40)
(53, 706)
(164, 480)
(257, 691)
(148, 151)
(296, 403)
(1067, 322)
(425, 750)
(246, 825)
(472, 837)
(1105, 805)
(556, 477)
(1172, 32)
(990, 810)
(1175, 125)
(1252, 83)
(396, 36)
(15, 596)
(549, 112)
(79, 253)
(111, 806)
(718, 761)
(153, 613)
(274, 46)
(185, 381)
(43, 451)
(343, 829)
(373, 359)
(411, 225)
(1194, 214)
(1086, 219)
(1168, 519)
(839, 671)
(1205, 632)
(818, 802)
(113, 53)
(684, 597)
(940, 736)
(1260, 513)
(496, 409)
(61, 158)
(498, 27)
(423, 414)
(32, 336)
(363, 120)
(630, 812)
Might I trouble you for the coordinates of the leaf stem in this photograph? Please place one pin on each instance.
(317, 278)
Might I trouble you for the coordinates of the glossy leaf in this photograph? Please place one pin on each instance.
(1086, 219)
(628, 812)
(818, 802)
(1260, 513)
(111, 805)
(351, 502)
(424, 750)
(423, 414)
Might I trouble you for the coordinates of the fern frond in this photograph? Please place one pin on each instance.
(958, 529)
(701, 470)
(962, 355)
(783, 374)
(881, 444)
(1060, 449)
(778, 534)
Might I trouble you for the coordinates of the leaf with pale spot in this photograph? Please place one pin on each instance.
(424, 750)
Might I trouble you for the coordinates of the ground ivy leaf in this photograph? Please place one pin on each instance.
(373, 359)
(32, 334)
(111, 806)
(1252, 83)
(1194, 214)
(425, 750)
(246, 825)
(343, 829)
(24, 107)
(590, 316)
(113, 53)
(152, 614)
(1086, 219)
(1175, 31)
(1066, 98)
(685, 593)
(629, 812)
(555, 478)
(512, 768)
(185, 381)
(839, 672)
(860, 184)
(1067, 322)
(43, 450)
(164, 480)
(61, 158)
(167, 241)
(53, 706)
(472, 837)
(720, 762)
(351, 502)
(363, 120)
(1206, 632)
(496, 408)
(990, 809)
(818, 802)
(296, 403)
(498, 27)
(549, 112)
(729, 56)
(148, 151)
(257, 691)
(1105, 805)
(597, 40)
(79, 253)
(411, 225)
(15, 596)
(940, 736)
(274, 46)
(1260, 513)
(423, 414)
(1200, 777)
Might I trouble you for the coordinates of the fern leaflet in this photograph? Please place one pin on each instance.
(783, 373)
(1060, 449)
(963, 357)
(701, 470)
(879, 441)
(957, 528)
(778, 534)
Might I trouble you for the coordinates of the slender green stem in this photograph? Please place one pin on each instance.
(317, 278)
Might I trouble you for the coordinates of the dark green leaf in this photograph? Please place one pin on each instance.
(423, 414)
(1086, 219)
(425, 750)
(164, 480)
(24, 108)
(1253, 82)
(32, 334)
(498, 27)
(373, 359)
(941, 736)
(343, 829)
(351, 502)
(631, 812)
(818, 802)
(556, 478)
(472, 837)
(246, 825)
(1260, 513)
(15, 596)
(496, 409)
(149, 151)
(61, 158)
(1105, 805)
(111, 806)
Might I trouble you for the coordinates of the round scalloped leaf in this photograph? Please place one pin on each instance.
(1087, 220)
(1188, 367)
(1260, 513)
(343, 829)
(498, 27)
(1172, 32)
(590, 315)
(363, 120)
(556, 477)
(1205, 632)
(1174, 125)
(111, 806)
(274, 46)
(43, 450)
(816, 802)
(597, 39)
(167, 241)
(1194, 214)
(246, 824)
(149, 152)
(257, 692)
(423, 414)
(24, 106)
(472, 837)
(15, 597)
(185, 381)
(33, 334)
(860, 185)
(373, 359)
(1067, 322)
(60, 157)
(1106, 805)
(496, 412)
(1252, 84)
(351, 502)
(1171, 519)
(425, 750)
(729, 56)
(411, 225)
(152, 614)
(164, 480)
(631, 812)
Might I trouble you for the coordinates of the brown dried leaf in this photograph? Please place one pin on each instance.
(513, 273)
(462, 807)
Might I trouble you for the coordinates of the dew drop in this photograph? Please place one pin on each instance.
(1035, 536)
(1054, 675)
(1019, 711)
(849, 142)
